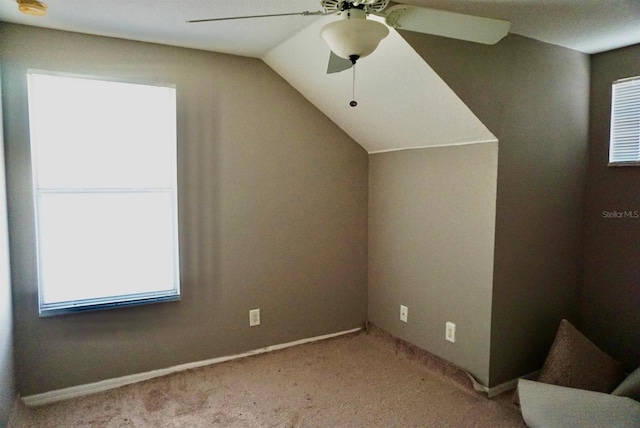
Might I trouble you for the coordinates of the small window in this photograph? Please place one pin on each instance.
(103, 157)
(624, 146)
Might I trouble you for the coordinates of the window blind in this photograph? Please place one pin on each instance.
(624, 145)
(105, 192)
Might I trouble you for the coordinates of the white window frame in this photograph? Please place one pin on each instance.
(624, 141)
(145, 294)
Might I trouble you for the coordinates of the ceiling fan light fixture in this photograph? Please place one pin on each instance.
(356, 37)
(32, 7)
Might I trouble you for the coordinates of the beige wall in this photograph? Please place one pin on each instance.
(272, 206)
(611, 295)
(7, 389)
(431, 234)
(273, 214)
(534, 97)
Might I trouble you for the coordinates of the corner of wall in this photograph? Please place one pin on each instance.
(7, 381)
(610, 301)
(534, 97)
(431, 247)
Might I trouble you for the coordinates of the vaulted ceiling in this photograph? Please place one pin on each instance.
(402, 103)
(588, 26)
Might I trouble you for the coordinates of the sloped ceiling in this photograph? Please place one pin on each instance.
(165, 22)
(402, 103)
(589, 26)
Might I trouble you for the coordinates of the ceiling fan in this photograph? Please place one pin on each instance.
(354, 36)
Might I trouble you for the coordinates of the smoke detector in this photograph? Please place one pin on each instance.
(32, 7)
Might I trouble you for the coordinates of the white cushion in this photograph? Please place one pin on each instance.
(551, 406)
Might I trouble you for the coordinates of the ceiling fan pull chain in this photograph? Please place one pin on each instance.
(353, 102)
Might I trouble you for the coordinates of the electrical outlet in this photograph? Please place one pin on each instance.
(450, 334)
(254, 317)
(404, 313)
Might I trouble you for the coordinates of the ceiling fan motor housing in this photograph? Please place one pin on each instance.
(340, 5)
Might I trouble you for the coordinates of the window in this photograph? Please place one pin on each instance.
(103, 158)
(624, 146)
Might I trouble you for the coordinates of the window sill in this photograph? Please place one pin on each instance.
(73, 309)
(619, 164)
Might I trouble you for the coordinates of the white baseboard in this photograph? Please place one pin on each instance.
(503, 387)
(104, 385)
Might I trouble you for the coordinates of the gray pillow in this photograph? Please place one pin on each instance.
(630, 387)
(575, 362)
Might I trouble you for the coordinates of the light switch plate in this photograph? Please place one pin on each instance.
(450, 334)
(254, 317)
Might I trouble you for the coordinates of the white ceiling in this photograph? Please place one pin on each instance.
(164, 21)
(402, 102)
(588, 26)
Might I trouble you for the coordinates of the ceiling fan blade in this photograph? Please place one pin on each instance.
(305, 13)
(447, 24)
(338, 64)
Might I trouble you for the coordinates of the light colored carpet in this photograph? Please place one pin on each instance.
(360, 380)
